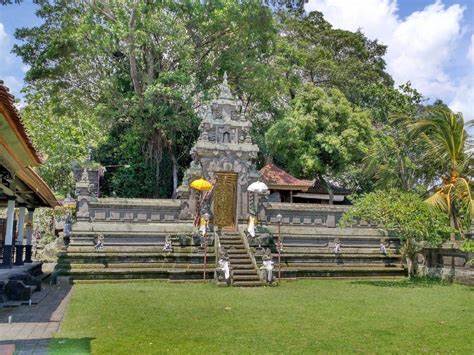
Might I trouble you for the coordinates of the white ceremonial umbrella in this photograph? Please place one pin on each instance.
(258, 187)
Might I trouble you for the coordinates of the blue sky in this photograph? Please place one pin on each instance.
(430, 42)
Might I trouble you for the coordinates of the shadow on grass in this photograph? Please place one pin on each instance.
(76, 346)
(416, 282)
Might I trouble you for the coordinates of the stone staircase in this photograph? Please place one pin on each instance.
(243, 269)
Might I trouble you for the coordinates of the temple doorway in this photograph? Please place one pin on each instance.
(225, 200)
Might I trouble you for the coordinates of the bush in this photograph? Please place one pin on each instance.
(403, 215)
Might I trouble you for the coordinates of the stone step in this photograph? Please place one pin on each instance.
(241, 266)
(132, 249)
(231, 244)
(244, 272)
(237, 255)
(246, 277)
(353, 250)
(240, 261)
(107, 259)
(331, 254)
(174, 266)
(137, 273)
(342, 272)
(104, 253)
(248, 283)
(333, 267)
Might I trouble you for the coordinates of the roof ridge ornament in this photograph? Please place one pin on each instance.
(225, 92)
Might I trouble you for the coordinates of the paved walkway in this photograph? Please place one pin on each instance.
(31, 328)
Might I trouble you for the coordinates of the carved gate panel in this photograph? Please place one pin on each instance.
(225, 200)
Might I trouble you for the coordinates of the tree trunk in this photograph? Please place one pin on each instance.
(131, 53)
(175, 174)
(410, 266)
(452, 224)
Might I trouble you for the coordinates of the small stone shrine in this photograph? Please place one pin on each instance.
(223, 154)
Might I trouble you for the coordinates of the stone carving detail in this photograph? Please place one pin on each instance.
(224, 145)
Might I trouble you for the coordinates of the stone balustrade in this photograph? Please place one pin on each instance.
(303, 214)
(134, 210)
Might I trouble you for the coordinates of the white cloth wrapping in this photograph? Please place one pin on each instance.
(168, 246)
(337, 248)
(202, 229)
(251, 226)
(383, 249)
(225, 267)
(267, 265)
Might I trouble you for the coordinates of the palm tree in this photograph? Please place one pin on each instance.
(444, 132)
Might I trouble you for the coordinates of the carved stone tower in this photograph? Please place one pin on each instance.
(224, 154)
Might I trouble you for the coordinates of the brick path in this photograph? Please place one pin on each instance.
(33, 327)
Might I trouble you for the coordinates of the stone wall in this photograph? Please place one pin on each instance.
(447, 263)
(134, 210)
(302, 214)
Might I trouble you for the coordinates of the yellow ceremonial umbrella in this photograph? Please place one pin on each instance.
(201, 185)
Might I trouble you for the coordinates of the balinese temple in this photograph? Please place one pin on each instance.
(21, 188)
(284, 187)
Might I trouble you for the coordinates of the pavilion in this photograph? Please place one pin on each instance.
(20, 185)
(284, 187)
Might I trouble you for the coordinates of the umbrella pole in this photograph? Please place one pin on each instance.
(205, 251)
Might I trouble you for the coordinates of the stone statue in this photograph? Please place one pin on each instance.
(223, 269)
(267, 266)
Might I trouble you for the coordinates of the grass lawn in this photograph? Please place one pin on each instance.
(296, 317)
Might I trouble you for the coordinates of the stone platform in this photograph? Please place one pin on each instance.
(133, 250)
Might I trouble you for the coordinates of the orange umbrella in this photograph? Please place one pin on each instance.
(201, 185)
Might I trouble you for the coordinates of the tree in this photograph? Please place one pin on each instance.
(309, 50)
(396, 158)
(321, 134)
(444, 132)
(62, 137)
(403, 215)
(145, 66)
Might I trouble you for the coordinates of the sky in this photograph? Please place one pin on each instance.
(430, 42)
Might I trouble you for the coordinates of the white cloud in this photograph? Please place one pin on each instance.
(470, 52)
(420, 46)
(6, 58)
(464, 100)
(3, 34)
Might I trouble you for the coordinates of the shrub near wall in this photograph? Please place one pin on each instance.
(403, 215)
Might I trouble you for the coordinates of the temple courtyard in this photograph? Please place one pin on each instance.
(307, 316)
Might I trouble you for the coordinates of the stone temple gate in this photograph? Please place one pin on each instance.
(224, 155)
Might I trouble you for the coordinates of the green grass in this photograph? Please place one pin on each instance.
(295, 317)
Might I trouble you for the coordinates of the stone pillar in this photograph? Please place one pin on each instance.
(29, 234)
(7, 248)
(19, 239)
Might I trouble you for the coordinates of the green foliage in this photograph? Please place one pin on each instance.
(446, 140)
(321, 134)
(62, 136)
(468, 246)
(403, 214)
(141, 69)
(127, 78)
(311, 51)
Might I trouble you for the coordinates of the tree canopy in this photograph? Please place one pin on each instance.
(321, 134)
(126, 79)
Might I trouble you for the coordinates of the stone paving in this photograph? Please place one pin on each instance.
(31, 328)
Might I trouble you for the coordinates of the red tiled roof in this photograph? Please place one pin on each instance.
(7, 100)
(274, 177)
